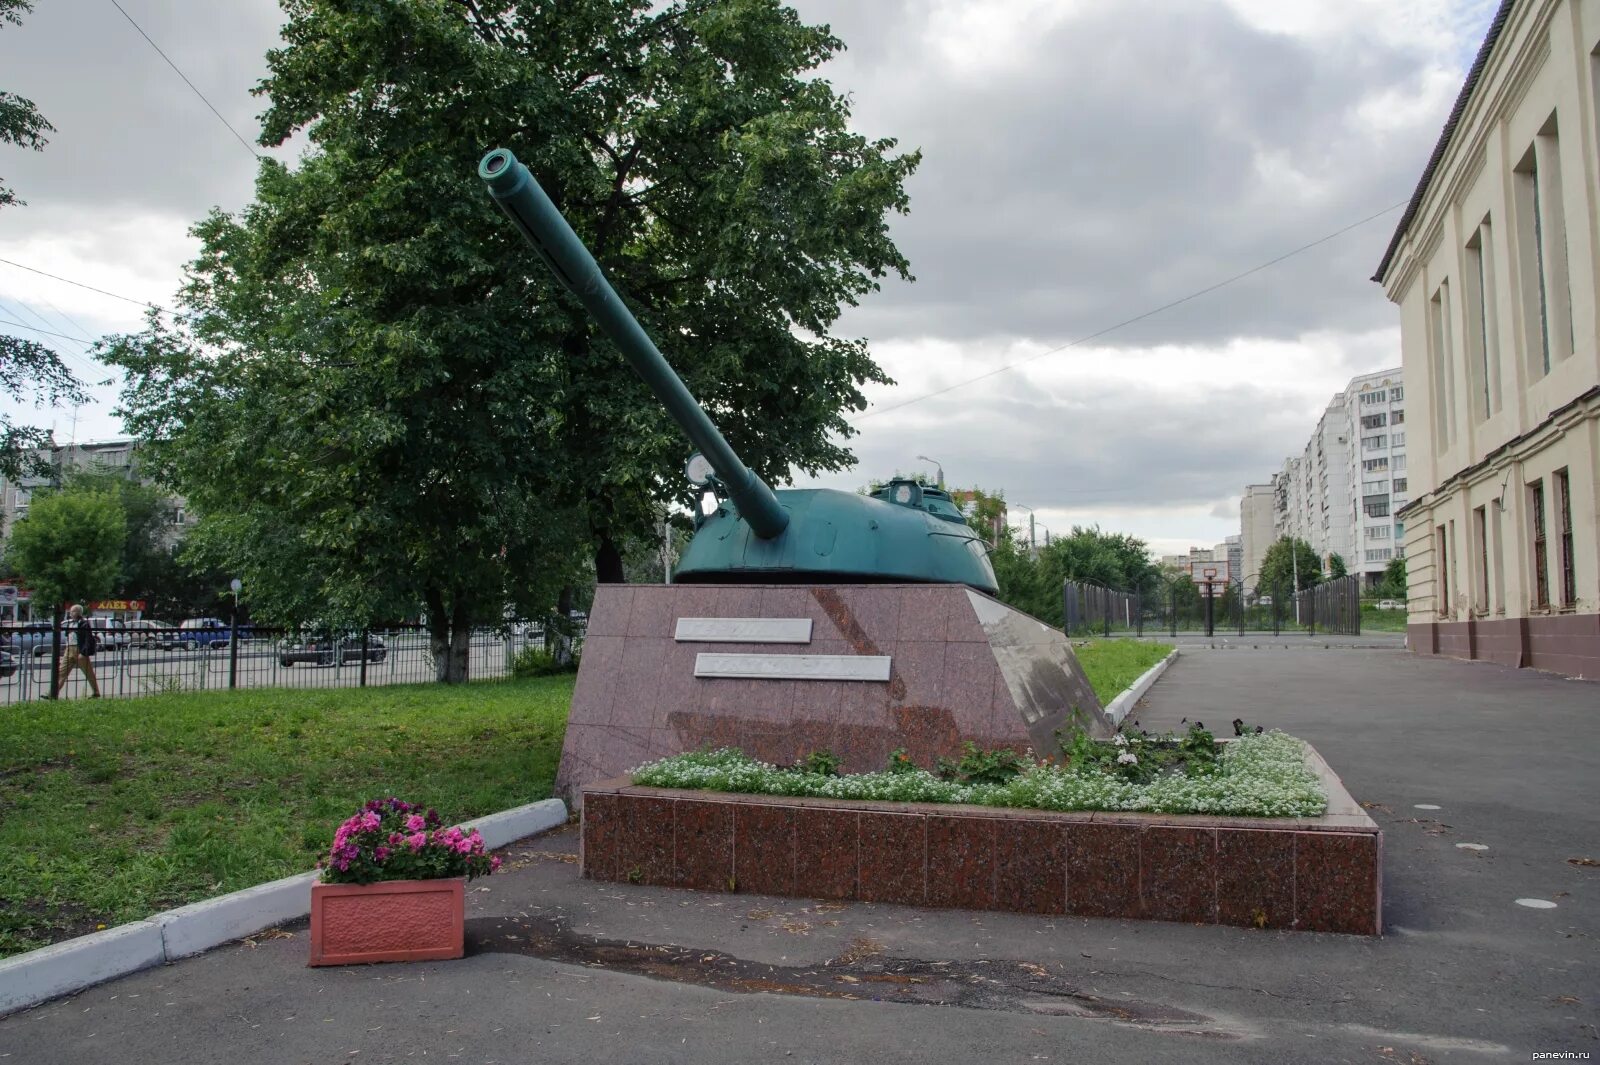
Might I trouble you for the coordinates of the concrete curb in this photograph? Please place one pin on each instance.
(1123, 704)
(64, 968)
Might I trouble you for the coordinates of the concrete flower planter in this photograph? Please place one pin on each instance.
(1321, 874)
(396, 920)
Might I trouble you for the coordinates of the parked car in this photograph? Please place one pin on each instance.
(112, 633)
(203, 632)
(148, 633)
(8, 664)
(1390, 604)
(323, 649)
(32, 638)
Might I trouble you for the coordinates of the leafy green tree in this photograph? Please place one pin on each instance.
(29, 371)
(1336, 566)
(383, 398)
(68, 548)
(1392, 585)
(1286, 558)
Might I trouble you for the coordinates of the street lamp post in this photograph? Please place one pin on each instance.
(924, 458)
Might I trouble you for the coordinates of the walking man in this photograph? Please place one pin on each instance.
(80, 652)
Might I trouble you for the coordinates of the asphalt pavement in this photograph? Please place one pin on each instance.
(564, 970)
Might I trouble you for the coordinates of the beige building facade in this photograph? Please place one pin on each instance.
(1495, 267)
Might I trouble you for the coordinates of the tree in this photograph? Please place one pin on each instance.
(67, 549)
(1392, 585)
(382, 397)
(1286, 558)
(1336, 566)
(29, 371)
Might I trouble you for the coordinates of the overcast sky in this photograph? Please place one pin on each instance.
(1084, 161)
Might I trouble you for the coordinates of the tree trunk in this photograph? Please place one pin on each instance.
(460, 645)
(558, 634)
(438, 634)
(608, 561)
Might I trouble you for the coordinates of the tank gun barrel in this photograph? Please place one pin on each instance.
(530, 209)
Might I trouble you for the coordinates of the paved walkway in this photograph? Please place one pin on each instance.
(563, 970)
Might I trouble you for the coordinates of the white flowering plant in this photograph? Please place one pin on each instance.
(1262, 775)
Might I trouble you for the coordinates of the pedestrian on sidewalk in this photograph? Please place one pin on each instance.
(80, 652)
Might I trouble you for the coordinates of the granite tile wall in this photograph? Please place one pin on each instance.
(1310, 874)
(1565, 643)
(637, 698)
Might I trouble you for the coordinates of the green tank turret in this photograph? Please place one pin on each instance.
(903, 532)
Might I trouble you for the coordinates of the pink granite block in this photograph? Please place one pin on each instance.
(645, 841)
(796, 602)
(1253, 890)
(961, 620)
(919, 667)
(923, 613)
(894, 858)
(703, 845)
(1030, 860)
(1103, 870)
(652, 610)
(875, 611)
(608, 614)
(601, 836)
(824, 700)
(968, 685)
(597, 680)
(1178, 874)
(961, 863)
(764, 849)
(676, 686)
(730, 601)
(1336, 883)
(635, 702)
(825, 843)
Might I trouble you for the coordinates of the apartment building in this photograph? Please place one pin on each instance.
(1495, 267)
(1256, 532)
(1374, 416)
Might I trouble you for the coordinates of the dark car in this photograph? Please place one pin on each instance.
(323, 649)
(8, 664)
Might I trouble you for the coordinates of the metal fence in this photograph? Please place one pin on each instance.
(161, 661)
(1332, 607)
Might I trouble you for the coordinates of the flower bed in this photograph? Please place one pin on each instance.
(1262, 775)
(1319, 873)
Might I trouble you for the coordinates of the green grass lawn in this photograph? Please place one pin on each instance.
(1113, 665)
(116, 809)
(1375, 620)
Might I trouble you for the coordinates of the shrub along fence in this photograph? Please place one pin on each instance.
(134, 662)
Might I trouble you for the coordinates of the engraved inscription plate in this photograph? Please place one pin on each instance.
(793, 667)
(743, 630)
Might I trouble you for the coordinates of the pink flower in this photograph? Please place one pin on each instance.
(397, 838)
(415, 824)
(381, 853)
(416, 840)
(494, 863)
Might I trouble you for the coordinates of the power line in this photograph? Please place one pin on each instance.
(42, 320)
(186, 81)
(46, 332)
(91, 288)
(1136, 318)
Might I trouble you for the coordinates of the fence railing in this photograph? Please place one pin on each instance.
(136, 662)
(1332, 607)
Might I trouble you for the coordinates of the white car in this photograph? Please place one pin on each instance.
(1390, 604)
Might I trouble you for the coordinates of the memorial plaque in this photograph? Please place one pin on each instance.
(793, 667)
(743, 630)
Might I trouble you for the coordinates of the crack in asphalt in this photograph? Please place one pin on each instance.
(862, 973)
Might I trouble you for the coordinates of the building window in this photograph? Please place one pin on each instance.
(1569, 582)
(1374, 421)
(1373, 443)
(1541, 569)
(1399, 484)
(1382, 554)
(1442, 580)
(1397, 439)
(1396, 395)
(1377, 532)
(1374, 465)
(1397, 417)
(178, 516)
(1542, 237)
(1480, 543)
(1370, 488)
(1376, 507)
(1484, 352)
(1443, 369)
(1399, 461)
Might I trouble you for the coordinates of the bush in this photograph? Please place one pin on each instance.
(537, 662)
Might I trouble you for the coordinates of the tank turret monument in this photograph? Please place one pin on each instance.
(799, 619)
